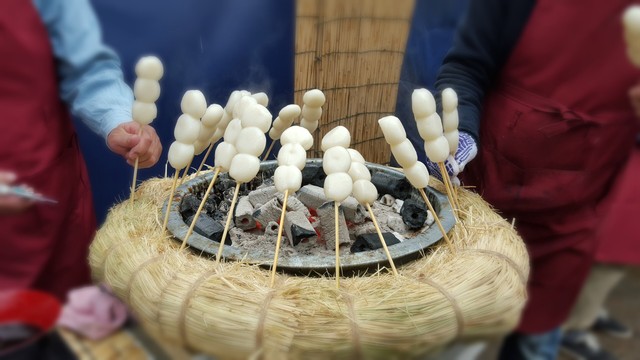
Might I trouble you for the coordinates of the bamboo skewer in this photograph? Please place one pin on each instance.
(448, 187)
(228, 223)
(437, 220)
(186, 171)
(384, 243)
(266, 156)
(336, 205)
(279, 239)
(135, 173)
(204, 159)
(173, 189)
(202, 203)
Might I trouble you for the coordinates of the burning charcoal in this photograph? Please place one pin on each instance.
(262, 195)
(314, 176)
(271, 229)
(189, 205)
(268, 212)
(327, 225)
(414, 213)
(397, 205)
(224, 183)
(293, 204)
(395, 223)
(210, 205)
(353, 211)
(209, 228)
(387, 200)
(311, 196)
(364, 228)
(244, 214)
(297, 227)
(391, 184)
(366, 242)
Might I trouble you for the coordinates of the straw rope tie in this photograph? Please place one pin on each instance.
(110, 249)
(161, 298)
(454, 303)
(137, 270)
(504, 257)
(355, 330)
(187, 300)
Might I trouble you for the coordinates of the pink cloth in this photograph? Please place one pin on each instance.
(93, 312)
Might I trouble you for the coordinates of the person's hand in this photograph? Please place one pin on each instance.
(11, 204)
(634, 97)
(125, 140)
(467, 151)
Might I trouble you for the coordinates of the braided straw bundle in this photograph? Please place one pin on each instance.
(231, 312)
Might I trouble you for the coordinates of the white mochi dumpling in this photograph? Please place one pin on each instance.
(274, 134)
(392, 130)
(242, 104)
(194, 103)
(219, 134)
(404, 153)
(429, 127)
(244, 167)
(418, 175)
(200, 146)
(187, 129)
(224, 154)
(146, 90)
(437, 150)
(231, 103)
(453, 138)
(290, 112)
(336, 160)
(297, 134)
(314, 98)
(449, 100)
(224, 122)
(450, 121)
(261, 98)
(180, 155)
(338, 186)
(338, 136)
(280, 124)
(212, 115)
(359, 171)
(251, 141)
(258, 116)
(206, 133)
(292, 154)
(149, 67)
(310, 113)
(422, 103)
(309, 125)
(365, 192)
(144, 113)
(356, 156)
(232, 132)
(287, 177)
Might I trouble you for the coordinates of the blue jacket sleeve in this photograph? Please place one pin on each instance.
(91, 80)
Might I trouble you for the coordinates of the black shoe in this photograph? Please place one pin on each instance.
(581, 345)
(610, 326)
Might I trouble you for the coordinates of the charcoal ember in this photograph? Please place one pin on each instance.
(224, 183)
(271, 229)
(243, 217)
(268, 212)
(371, 241)
(314, 176)
(388, 183)
(262, 195)
(311, 196)
(397, 205)
(210, 206)
(414, 213)
(395, 223)
(223, 207)
(189, 205)
(209, 228)
(297, 227)
(326, 213)
(293, 204)
(387, 200)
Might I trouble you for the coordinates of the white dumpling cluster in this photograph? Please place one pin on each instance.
(312, 109)
(450, 119)
(429, 125)
(631, 23)
(249, 141)
(187, 129)
(208, 126)
(285, 118)
(415, 171)
(336, 163)
(292, 158)
(363, 189)
(146, 89)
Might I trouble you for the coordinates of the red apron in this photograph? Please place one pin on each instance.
(548, 154)
(45, 247)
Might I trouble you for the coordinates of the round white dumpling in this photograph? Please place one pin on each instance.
(290, 112)
(231, 103)
(310, 113)
(232, 132)
(309, 124)
(274, 134)
(144, 113)
(450, 121)
(287, 177)
(299, 135)
(261, 98)
(219, 134)
(251, 141)
(258, 116)
(292, 154)
(430, 127)
(336, 160)
(242, 104)
(449, 100)
(356, 156)
(212, 115)
(422, 103)
(314, 98)
(149, 67)
(244, 167)
(223, 155)
(338, 186)
(187, 129)
(338, 136)
(404, 153)
(280, 124)
(418, 175)
(392, 130)
(437, 150)
(453, 138)
(180, 155)
(206, 133)
(365, 192)
(194, 103)
(359, 171)
(146, 90)
(200, 146)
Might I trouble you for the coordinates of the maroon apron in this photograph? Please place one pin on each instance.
(46, 247)
(549, 154)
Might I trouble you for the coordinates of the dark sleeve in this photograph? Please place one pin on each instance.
(481, 46)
